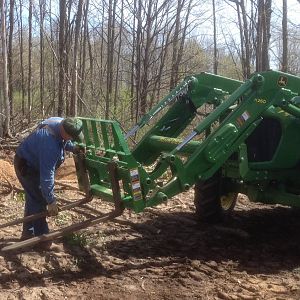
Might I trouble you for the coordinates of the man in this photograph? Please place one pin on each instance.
(36, 160)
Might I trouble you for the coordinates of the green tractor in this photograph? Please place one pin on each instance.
(221, 136)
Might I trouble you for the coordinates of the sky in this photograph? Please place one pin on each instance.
(293, 10)
(228, 17)
(227, 22)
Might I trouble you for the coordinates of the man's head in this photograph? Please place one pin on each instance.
(72, 129)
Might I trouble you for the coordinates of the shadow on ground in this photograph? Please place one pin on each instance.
(260, 240)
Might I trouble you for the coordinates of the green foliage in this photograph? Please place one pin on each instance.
(229, 68)
(195, 57)
(62, 218)
(19, 197)
(76, 239)
(122, 109)
(17, 96)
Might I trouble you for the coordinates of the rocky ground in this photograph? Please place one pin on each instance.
(162, 253)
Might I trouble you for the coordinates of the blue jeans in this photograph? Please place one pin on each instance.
(34, 200)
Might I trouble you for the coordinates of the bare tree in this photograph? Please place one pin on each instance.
(110, 53)
(5, 130)
(21, 43)
(10, 55)
(284, 65)
(244, 29)
(175, 43)
(263, 35)
(74, 88)
(42, 56)
(138, 58)
(29, 91)
(62, 54)
(53, 80)
(84, 55)
(119, 55)
(244, 36)
(215, 60)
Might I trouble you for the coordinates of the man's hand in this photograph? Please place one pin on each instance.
(52, 209)
(78, 149)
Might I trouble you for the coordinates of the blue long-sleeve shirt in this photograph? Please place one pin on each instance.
(43, 151)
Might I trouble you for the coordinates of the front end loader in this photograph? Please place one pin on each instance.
(218, 135)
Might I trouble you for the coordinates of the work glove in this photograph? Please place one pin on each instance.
(52, 209)
(78, 149)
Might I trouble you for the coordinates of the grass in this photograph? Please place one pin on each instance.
(63, 218)
(19, 197)
(76, 239)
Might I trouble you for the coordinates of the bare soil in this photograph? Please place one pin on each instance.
(162, 253)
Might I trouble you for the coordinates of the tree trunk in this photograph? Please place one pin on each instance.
(118, 57)
(259, 33)
(146, 60)
(215, 60)
(29, 99)
(175, 44)
(246, 64)
(42, 58)
(10, 56)
(284, 64)
(263, 35)
(62, 49)
(21, 42)
(182, 42)
(53, 81)
(83, 63)
(5, 130)
(267, 35)
(110, 54)
(68, 49)
(74, 89)
(138, 59)
(132, 71)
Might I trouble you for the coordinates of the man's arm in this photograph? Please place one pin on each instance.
(69, 146)
(74, 148)
(49, 153)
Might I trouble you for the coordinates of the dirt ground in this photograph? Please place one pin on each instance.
(162, 253)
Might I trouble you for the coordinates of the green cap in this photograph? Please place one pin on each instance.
(73, 128)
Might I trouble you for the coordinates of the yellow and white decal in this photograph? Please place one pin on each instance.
(135, 184)
(260, 100)
(282, 81)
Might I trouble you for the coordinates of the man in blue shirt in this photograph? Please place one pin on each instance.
(36, 160)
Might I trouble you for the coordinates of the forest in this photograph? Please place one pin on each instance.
(116, 58)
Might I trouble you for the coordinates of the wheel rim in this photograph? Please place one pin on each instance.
(228, 201)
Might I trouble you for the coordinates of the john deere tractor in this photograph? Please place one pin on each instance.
(220, 135)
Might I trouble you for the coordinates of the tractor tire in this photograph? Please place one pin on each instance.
(211, 204)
